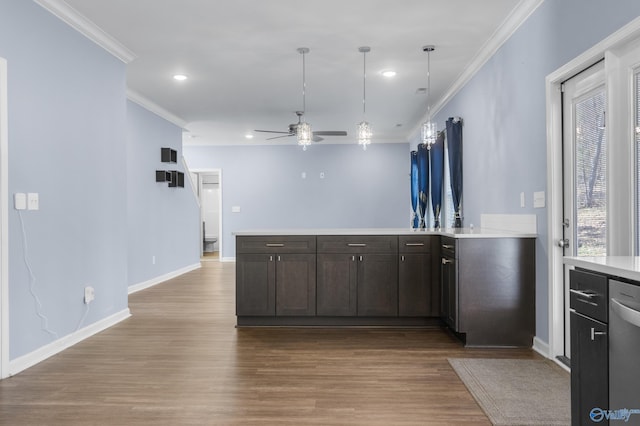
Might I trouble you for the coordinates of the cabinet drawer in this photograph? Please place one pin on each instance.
(357, 244)
(588, 294)
(448, 246)
(276, 244)
(415, 243)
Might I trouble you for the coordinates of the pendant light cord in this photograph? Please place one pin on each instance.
(364, 83)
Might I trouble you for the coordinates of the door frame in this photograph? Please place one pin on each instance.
(220, 222)
(553, 81)
(4, 224)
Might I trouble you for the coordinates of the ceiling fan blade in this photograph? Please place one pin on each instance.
(278, 137)
(331, 133)
(317, 138)
(271, 131)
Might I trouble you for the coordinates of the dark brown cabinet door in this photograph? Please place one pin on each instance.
(337, 285)
(414, 285)
(255, 285)
(295, 285)
(377, 285)
(449, 292)
(589, 368)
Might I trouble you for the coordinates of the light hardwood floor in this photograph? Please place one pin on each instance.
(179, 360)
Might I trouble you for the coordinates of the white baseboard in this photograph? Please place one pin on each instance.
(162, 278)
(541, 347)
(228, 259)
(29, 360)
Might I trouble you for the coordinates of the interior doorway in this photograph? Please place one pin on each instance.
(209, 190)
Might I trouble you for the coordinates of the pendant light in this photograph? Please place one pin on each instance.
(429, 128)
(364, 128)
(303, 130)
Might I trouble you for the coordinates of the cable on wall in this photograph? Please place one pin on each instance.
(32, 280)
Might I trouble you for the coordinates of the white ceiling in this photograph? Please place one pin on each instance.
(244, 71)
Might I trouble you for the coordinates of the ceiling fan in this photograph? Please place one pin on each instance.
(294, 127)
(301, 125)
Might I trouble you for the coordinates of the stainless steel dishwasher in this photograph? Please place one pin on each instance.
(624, 347)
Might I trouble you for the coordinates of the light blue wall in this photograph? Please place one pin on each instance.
(361, 189)
(163, 221)
(91, 156)
(504, 114)
(67, 115)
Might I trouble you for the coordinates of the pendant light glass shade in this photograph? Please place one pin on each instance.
(429, 133)
(364, 128)
(304, 135)
(429, 128)
(364, 134)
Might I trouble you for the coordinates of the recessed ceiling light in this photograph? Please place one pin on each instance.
(248, 136)
(389, 73)
(180, 77)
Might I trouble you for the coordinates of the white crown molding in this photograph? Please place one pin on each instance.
(84, 26)
(516, 18)
(155, 108)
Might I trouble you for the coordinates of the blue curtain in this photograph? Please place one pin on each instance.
(454, 143)
(437, 172)
(414, 188)
(423, 182)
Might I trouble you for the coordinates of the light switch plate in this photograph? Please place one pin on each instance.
(235, 209)
(538, 200)
(33, 201)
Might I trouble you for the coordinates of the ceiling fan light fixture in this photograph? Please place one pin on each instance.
(304, 135)
(364, 128)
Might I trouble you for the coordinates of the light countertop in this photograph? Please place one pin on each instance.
(619, 266)
(449, 232)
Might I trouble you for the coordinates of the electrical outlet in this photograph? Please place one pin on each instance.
(153, 260)
(89, 295)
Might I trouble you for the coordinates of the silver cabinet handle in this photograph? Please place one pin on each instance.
(402, 258)
(360, 258)
(414, 244)
(274, 245)
(446, 261)
(356, 245)
(353, 258)
(270, 258)
(595, 333)
(447, 246)
(588, 293)
(279, 259)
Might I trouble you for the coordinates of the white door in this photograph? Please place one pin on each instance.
(584, 171)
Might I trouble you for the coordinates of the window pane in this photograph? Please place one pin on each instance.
(590, 176)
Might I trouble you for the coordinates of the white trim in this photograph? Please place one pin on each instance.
(554, 172)
(44, 352)
(87, 28)
(541, 347)
(162, 278)
(516, 18)
(4, 223)
(155, 108)
(228, 259)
